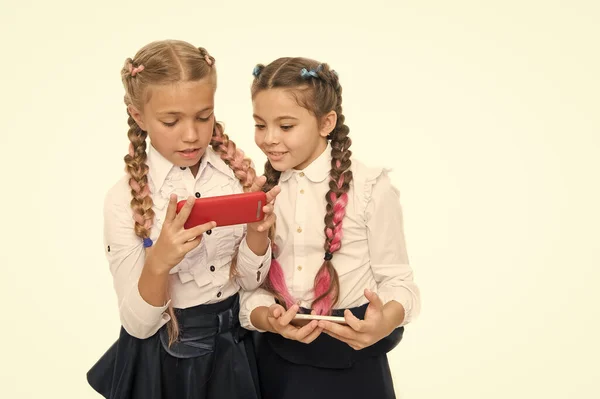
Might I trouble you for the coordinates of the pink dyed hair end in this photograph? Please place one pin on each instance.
(322, 284)
(277, 280)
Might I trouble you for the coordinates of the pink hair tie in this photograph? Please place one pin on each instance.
(207, 59)
(134, 71)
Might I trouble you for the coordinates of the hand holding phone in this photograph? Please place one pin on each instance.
(226, 210)
(269, 209)
(174, 240)
(280, 321)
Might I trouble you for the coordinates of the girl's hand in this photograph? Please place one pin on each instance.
(269, 219)
(174, 241)
(379, 322)
(279, 321)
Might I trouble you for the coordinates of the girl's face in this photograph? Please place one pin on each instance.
(179, 119)
(289, 135)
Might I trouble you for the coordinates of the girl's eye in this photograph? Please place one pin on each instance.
(259, 126)
(169, 124)
(286, 127)
(204, 119)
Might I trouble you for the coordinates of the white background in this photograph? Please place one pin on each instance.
(486, 110)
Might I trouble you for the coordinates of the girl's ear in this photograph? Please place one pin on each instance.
(328, 123)
(137, 116)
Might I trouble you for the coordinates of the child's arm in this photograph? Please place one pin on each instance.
(387, 249)
(249, 302)
(139, 280)
(126, 258)
(398, 299)
(252, 268)
(254, 253)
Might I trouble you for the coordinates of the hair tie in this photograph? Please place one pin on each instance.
(256, 71)
(306, 74)
(135, 70)
(328, 256)
(208, 60)
(148, 242)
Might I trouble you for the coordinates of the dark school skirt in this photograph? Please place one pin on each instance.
(213, 359)
(326, 368)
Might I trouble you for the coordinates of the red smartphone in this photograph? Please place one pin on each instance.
(226, 210)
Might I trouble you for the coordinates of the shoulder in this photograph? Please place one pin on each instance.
(363, 173)
(118, 197)
(370, 182)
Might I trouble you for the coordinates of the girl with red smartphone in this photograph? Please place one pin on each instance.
(177, 288)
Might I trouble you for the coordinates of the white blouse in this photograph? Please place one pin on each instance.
(203, 275)
(373, 253)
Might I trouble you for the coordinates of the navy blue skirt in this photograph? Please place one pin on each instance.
(326, 368)
(213, 359)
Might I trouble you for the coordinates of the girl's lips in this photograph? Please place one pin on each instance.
(275, 155)
(189, 153)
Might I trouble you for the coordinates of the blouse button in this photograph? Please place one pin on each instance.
(299, 230)
(212, 268)
(219, 294)
(198, 195)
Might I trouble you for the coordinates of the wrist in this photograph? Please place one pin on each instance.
(156, 267)
(393, 316)
(258, 241)
(259, 319)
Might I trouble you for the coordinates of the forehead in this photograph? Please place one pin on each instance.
(278, 101)
(183, 97)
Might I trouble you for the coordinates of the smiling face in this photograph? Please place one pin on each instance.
(179, 119)
(289, 135)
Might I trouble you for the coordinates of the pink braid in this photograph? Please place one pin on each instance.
(277, 281)
(326, 298)
(233, 157)
(322, 283)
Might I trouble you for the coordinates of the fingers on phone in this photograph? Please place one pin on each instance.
(272, 194)
(258, 183)
(186, 210)
(192, 243)
(276, 310)
(268, 209)
(171, 207)
(289, 315)
(311, 336)
(203, 228)
(304, 331)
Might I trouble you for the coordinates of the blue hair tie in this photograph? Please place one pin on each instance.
(256, 71)
(306, 74)
(148, 242)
